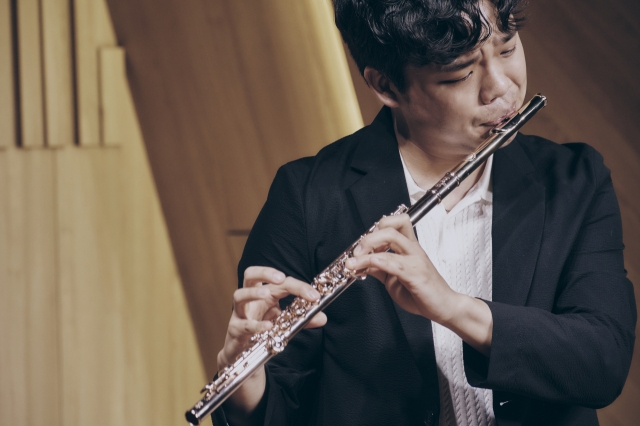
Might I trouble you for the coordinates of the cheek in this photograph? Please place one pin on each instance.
(520, 70)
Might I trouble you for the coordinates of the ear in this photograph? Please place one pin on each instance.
(384, 89)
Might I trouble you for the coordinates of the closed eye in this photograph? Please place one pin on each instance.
(509, 52)
(457, 80)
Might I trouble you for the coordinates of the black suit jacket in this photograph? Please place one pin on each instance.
(563, 310)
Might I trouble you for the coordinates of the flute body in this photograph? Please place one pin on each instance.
(336, 277)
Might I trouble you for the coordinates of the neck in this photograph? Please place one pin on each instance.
(427, 163)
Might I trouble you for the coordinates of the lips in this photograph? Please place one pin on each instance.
(500, 119)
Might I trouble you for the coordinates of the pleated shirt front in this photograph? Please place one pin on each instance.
(458, 243)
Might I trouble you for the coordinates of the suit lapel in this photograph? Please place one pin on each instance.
(518, 223)
(378, 186)
(379, 189)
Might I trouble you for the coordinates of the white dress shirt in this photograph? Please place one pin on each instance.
(458, 243)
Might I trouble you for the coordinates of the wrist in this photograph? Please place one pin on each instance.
(453, 309)
(472, 320)
(247, 405)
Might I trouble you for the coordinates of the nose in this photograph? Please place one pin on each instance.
(495, 83)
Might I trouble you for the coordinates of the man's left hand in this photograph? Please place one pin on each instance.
(393, 255)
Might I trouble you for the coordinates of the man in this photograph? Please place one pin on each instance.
(511, 306)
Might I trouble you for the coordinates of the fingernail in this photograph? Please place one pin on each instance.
(278, 276)
(312, 294)
(350, 263)
(357, 250)
(267, 325)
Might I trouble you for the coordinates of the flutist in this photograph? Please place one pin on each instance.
(507, 304)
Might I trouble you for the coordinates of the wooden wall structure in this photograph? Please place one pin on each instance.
(94, 326)
(226, 92)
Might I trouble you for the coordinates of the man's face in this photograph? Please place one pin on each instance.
(452, 108)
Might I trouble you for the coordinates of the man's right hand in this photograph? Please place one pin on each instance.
(255, 306)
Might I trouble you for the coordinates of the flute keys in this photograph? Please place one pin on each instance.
(276, 344)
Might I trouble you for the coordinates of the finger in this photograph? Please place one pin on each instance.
(401, 223)
(295, 287)
(249, 294)
(243, 329)
(272, 313)
(377, 274)
(318, 320)
(388, 238)
(402, 296)
(388, 263)
(255, 275)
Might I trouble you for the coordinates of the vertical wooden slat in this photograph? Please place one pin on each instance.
(113, 89)
(32, 124)
(92, 346)
(58, 78)
(9, 371)
(93, 30)
(87, 93)
(29, 363)
(7, 100)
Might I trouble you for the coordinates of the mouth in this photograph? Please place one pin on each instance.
(501, 119)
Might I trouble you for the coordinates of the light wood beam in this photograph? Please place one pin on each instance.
(113, 88)
(58, 78)
(29, 354)
(7, 89)
(92, 30)
(32, 120)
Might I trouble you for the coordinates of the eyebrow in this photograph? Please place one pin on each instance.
(457, 66)
(508, 36)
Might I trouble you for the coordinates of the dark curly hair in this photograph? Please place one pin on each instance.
(389, 35)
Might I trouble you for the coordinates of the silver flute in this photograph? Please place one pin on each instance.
(336, 277)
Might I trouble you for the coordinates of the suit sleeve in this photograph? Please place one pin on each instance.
(278, 239)
(580, 353)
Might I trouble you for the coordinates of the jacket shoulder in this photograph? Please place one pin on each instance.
(558, 164)
(329, 165)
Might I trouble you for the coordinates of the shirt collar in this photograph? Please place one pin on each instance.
(480, 191)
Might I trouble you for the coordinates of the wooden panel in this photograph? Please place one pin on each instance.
(29, 362)
(58, 79)
(156, 317)
(226, 93)
(11, 368)
(236, 246)
(32, 124)
(93, 321)
(92, 341)
(125, 321)
(92, 30)
(113, 87)
(125, 324)
(7, 100)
